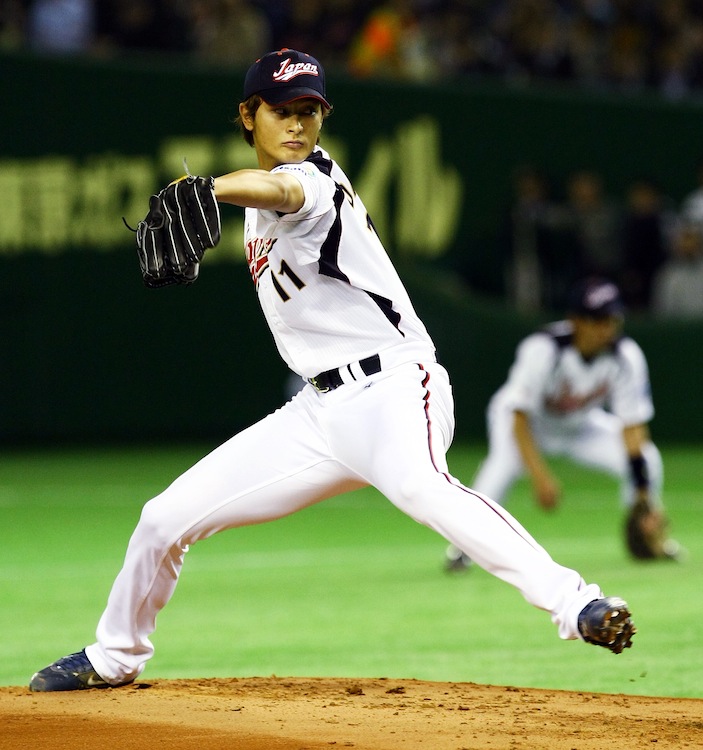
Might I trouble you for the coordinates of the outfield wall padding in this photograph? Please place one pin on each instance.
(89, 354)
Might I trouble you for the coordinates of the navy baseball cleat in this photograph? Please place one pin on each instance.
(74, 672)
(607, 622)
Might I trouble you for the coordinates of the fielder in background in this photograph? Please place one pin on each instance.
(553, 404)
(377, 408)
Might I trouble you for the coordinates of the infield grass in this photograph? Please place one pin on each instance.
(348, 588)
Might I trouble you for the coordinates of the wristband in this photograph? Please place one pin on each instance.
(640, 476)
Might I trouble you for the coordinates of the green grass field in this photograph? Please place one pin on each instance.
(349, 588)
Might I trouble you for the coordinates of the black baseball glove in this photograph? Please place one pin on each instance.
(183, 221)
(645, 532)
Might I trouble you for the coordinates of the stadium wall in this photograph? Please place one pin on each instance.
(89, 354)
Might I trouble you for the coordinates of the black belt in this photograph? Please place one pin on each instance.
(331, 379)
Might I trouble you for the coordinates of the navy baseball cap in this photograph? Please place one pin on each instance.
(596, 298)
(284, 76)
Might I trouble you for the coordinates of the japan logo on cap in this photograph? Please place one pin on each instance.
(289, 70)
(284, 76)
(596, 297)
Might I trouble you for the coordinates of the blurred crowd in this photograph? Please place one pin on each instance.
(646, 242)
(623, 45)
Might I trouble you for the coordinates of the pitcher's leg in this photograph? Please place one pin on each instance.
(258, 475)
(404, 457)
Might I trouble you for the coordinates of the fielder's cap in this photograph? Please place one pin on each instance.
(284, 76)
(596, 298)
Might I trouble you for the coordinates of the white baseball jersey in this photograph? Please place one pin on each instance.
(550, 379)
(577, 408)
(326, 286)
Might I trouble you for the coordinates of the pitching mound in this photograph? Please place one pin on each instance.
(369, 714)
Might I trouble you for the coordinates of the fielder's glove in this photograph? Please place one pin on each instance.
(645, 532)
(183, 221)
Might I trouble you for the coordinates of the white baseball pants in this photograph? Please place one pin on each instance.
(596, 443)
(390, 430)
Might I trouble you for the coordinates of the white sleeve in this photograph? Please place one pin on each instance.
(631, 398)
(306, 174)
(529, 374)
(312, 221)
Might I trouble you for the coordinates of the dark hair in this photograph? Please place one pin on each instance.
(252, 104)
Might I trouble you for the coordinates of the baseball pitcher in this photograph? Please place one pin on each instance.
(377, 408)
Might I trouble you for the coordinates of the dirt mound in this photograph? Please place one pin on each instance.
(279, 713)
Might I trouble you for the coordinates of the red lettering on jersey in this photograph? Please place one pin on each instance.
(565, 401)
(257, 253)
